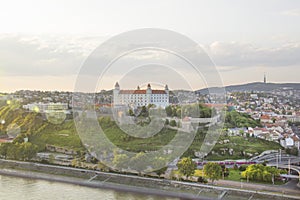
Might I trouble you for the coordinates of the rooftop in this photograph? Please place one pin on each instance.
(141, 92)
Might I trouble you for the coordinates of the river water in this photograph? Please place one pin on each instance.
(12, 188)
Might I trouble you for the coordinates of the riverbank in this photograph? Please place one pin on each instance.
(135, 184)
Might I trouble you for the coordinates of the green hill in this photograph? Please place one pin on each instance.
(243, 147)
(36, 127)
(256, 86)
(41, 132)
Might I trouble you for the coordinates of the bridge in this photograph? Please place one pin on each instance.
(289, 167)
(277, 158)
(280, 160)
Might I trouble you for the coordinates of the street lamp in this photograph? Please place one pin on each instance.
(247, 177)
(289, 166)
(277, 155)
(280, 155)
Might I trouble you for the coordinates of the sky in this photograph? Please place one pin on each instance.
(44, 44)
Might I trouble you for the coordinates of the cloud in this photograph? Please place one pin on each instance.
(293, 12)
(57, 55)
(229, 54)
(44, 55)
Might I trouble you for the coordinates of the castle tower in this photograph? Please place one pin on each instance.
(116, 94)
(167, 89)
(149, 90)
(148, 93)
(167, 92)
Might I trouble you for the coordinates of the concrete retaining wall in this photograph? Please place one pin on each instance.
(127, 180)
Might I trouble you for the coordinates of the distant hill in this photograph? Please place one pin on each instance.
(257, 86)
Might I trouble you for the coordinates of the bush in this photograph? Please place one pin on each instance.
(167, 122)
(202, 180)
(173, 123)
(292, 151)
(226, 173)
(243, 168)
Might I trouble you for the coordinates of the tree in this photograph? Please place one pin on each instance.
(177, 112)
(74, 162)
(292, 151)
(23, 151)
(173, 123)
(236, 119)
(13, 152)
(161, 171)
(28, 150)
(187, 166)
(213, 171)
(130, 112)
(120, 161)
(144, 112)
(259, 172)
(169, 111)
(167, 122)
(4, 149)
(137, 162)
(102, 167)
(19, 139)
(205, 112)
(225, 171)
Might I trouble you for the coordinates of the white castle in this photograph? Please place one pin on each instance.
(137, 98)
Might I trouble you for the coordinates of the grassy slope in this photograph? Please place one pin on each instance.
(39, 131)
(63, 135)
(121, 139)
(42, 132)
(238, 144)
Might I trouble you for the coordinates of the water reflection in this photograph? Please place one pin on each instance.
(12, 188)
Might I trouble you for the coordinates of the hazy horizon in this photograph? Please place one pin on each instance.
(172, 89)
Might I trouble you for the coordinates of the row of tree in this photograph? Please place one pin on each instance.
(213, 171)
(260, 172)
(235, 119)
(193, 110)
(18, 151)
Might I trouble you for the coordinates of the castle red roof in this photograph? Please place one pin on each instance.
(158, 92)
(141, 92)
(132, 91)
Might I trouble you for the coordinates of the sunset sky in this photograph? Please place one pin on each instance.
(43, 44)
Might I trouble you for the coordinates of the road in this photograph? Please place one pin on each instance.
(292, 184)
(290, 188)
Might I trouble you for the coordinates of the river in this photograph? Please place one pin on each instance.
(12, 188)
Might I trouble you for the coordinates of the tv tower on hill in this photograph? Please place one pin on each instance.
(265, 78)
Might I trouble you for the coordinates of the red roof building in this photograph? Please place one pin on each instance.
(138, 97)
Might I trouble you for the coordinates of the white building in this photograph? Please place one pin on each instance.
(44, 107)
(287, 142)
(138, 97)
